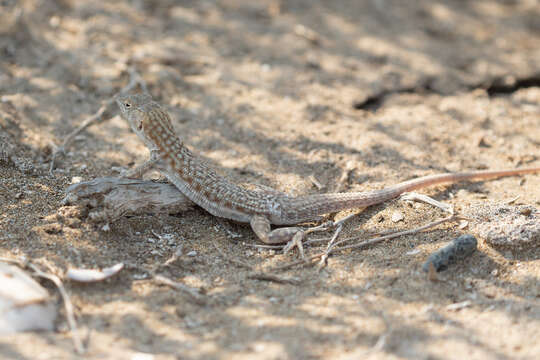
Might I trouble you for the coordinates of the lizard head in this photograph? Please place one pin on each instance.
(130, 103)
(133, 108)
(146, 118)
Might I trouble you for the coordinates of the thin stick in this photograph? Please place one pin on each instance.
(323, 227)
(199, 299)
(67, 305)
(255, 274)
(329, 247)
(160, 279)
(378, 233)
(341, 221)
(298, 262)
(508, 202)
(413, 196)
(273, 278)
(368, 242)
(394, 235)
(134, 79)
(260, 246)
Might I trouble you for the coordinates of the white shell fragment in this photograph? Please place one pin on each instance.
(24, 304)
(397, 216)
(92, 275)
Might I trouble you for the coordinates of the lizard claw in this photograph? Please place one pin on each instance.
(296, 241)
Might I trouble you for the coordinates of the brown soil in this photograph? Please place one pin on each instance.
(358, 94)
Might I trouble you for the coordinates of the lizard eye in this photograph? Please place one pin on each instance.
(127, 105)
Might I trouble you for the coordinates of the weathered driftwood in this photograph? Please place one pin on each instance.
(110, 198)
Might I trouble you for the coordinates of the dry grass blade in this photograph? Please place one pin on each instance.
(194, 293)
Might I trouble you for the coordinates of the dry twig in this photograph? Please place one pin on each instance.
(368, 242)
(160, 279)
(274, 278)
(394, 235)
(262, 246)
(329, 247)
(413, 196)
(255, 274)
(198, 297)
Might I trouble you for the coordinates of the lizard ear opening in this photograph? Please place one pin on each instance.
(139, 126)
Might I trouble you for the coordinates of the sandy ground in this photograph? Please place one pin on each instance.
(357, 94)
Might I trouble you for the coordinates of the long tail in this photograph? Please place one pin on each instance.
(425, 181)
(304, 208)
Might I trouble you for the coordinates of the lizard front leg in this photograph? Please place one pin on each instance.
(141, 169)
(293, 236)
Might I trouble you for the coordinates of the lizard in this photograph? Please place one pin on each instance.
(223, 198)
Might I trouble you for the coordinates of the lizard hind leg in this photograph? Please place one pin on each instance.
(293, 236)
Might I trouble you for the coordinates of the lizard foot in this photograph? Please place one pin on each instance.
(296, 241)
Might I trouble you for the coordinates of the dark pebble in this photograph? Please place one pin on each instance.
(458, 249)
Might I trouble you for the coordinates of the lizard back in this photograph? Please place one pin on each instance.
(198, 181)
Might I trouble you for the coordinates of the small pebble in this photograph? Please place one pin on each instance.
(76, 179)
(140, 276)
(192, 253)
(459, 248)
